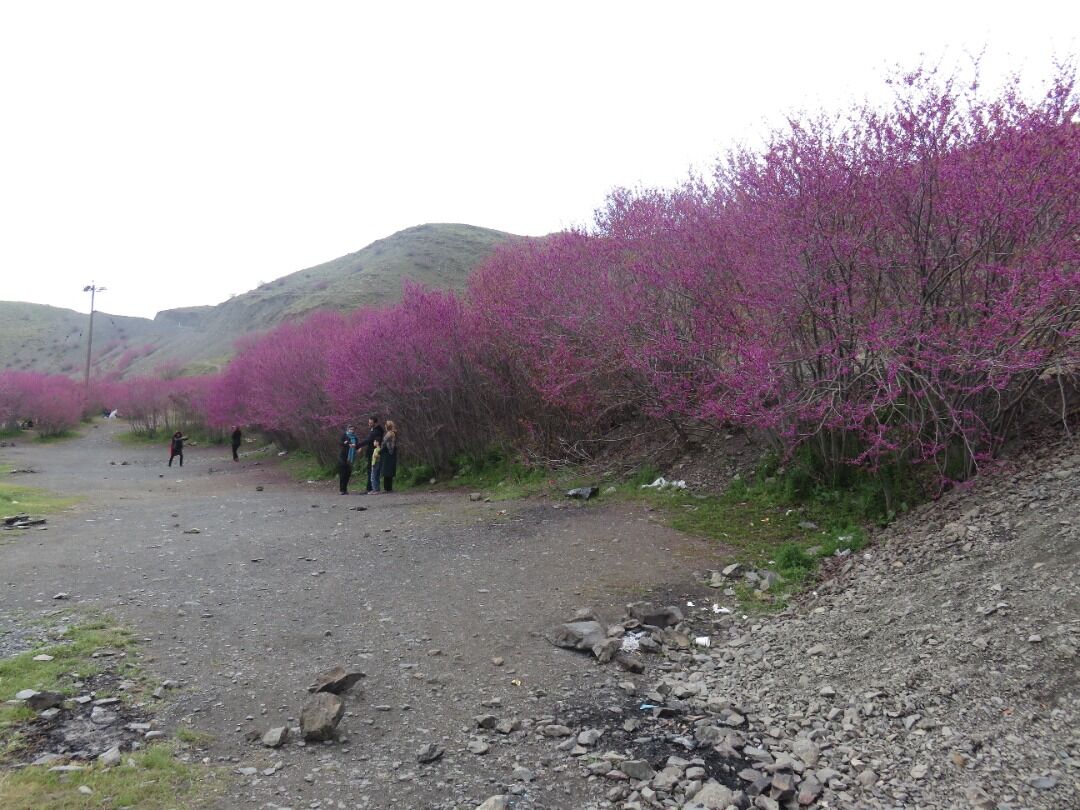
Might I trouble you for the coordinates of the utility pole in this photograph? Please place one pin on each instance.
(93, 290)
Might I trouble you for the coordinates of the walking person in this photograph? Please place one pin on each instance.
(389, 456)
(375, 434)
(347, 447)
(176, 447)
(237, 437)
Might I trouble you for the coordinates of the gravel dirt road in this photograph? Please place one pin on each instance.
(420, 590)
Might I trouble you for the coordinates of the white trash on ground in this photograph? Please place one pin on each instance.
(663, 483)
(630, 642)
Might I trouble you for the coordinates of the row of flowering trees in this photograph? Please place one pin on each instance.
(894, 285)
(55, 403)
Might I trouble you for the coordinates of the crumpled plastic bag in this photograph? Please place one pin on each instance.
(663, 483)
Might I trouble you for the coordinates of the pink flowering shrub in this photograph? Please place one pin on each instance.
(894, 287)
(278, 383)
(52, 401)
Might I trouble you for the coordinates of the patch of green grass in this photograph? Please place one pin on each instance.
(503, 478)
(189, 736)
(142, 439)
(62, 436)
(16, 499)
(303, 466)
(156, 781)
(784, 519)
(72, 660)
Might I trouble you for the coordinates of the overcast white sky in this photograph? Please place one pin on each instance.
(178, 153)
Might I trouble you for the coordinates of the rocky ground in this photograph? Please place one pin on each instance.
(935, 669)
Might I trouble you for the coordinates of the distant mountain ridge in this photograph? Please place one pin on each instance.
(45, 338)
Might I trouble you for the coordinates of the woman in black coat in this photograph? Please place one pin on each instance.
(388, 454)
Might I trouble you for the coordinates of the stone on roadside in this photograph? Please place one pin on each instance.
(637, 769)
(590, 736)
(650, 614)
(606, 649)
(507, 726)
(476, 496)
(275, 737)
(478, 747)
(556, 730)
(102, 717)
(320, 716)
(40, 701)
(110, 758)
(500, 802)
(429, 753)
(335, 681)
(577, 635)
(714, 796)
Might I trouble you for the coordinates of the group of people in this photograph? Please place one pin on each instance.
(380, 450)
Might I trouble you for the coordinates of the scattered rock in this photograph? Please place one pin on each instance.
(578, 635)
(320, 716)
(335, 681)
(276, 737)
(429, 753)
(110, 758)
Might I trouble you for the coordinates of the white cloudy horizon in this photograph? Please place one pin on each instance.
(182, 154)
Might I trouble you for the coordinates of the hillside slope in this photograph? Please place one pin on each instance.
(939, 668)
(43, 338)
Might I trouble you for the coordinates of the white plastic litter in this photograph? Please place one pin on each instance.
(703, 641)
(663, 483)
(718, 609)
(630, 642)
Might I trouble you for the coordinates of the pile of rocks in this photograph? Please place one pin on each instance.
(320, 715)
(937, 669)
(86, 726)
(761, 580)
(645, 628)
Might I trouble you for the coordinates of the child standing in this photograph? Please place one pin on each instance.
(376, 465)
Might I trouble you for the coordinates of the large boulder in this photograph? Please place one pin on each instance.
(320, 716)
(577, 635)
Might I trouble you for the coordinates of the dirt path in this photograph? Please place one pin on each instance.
(420, 590)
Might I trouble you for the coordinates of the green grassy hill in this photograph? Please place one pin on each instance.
(45, 338)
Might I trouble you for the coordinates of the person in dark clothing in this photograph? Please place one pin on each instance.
(176, 447)
(375, 434)
(237, 437)
(389, 456)
(347, 447)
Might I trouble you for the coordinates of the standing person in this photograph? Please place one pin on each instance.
(346, 456)
(237, 437)
(375, 434)
(376, 468)
(176, 447)
(389, 456)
